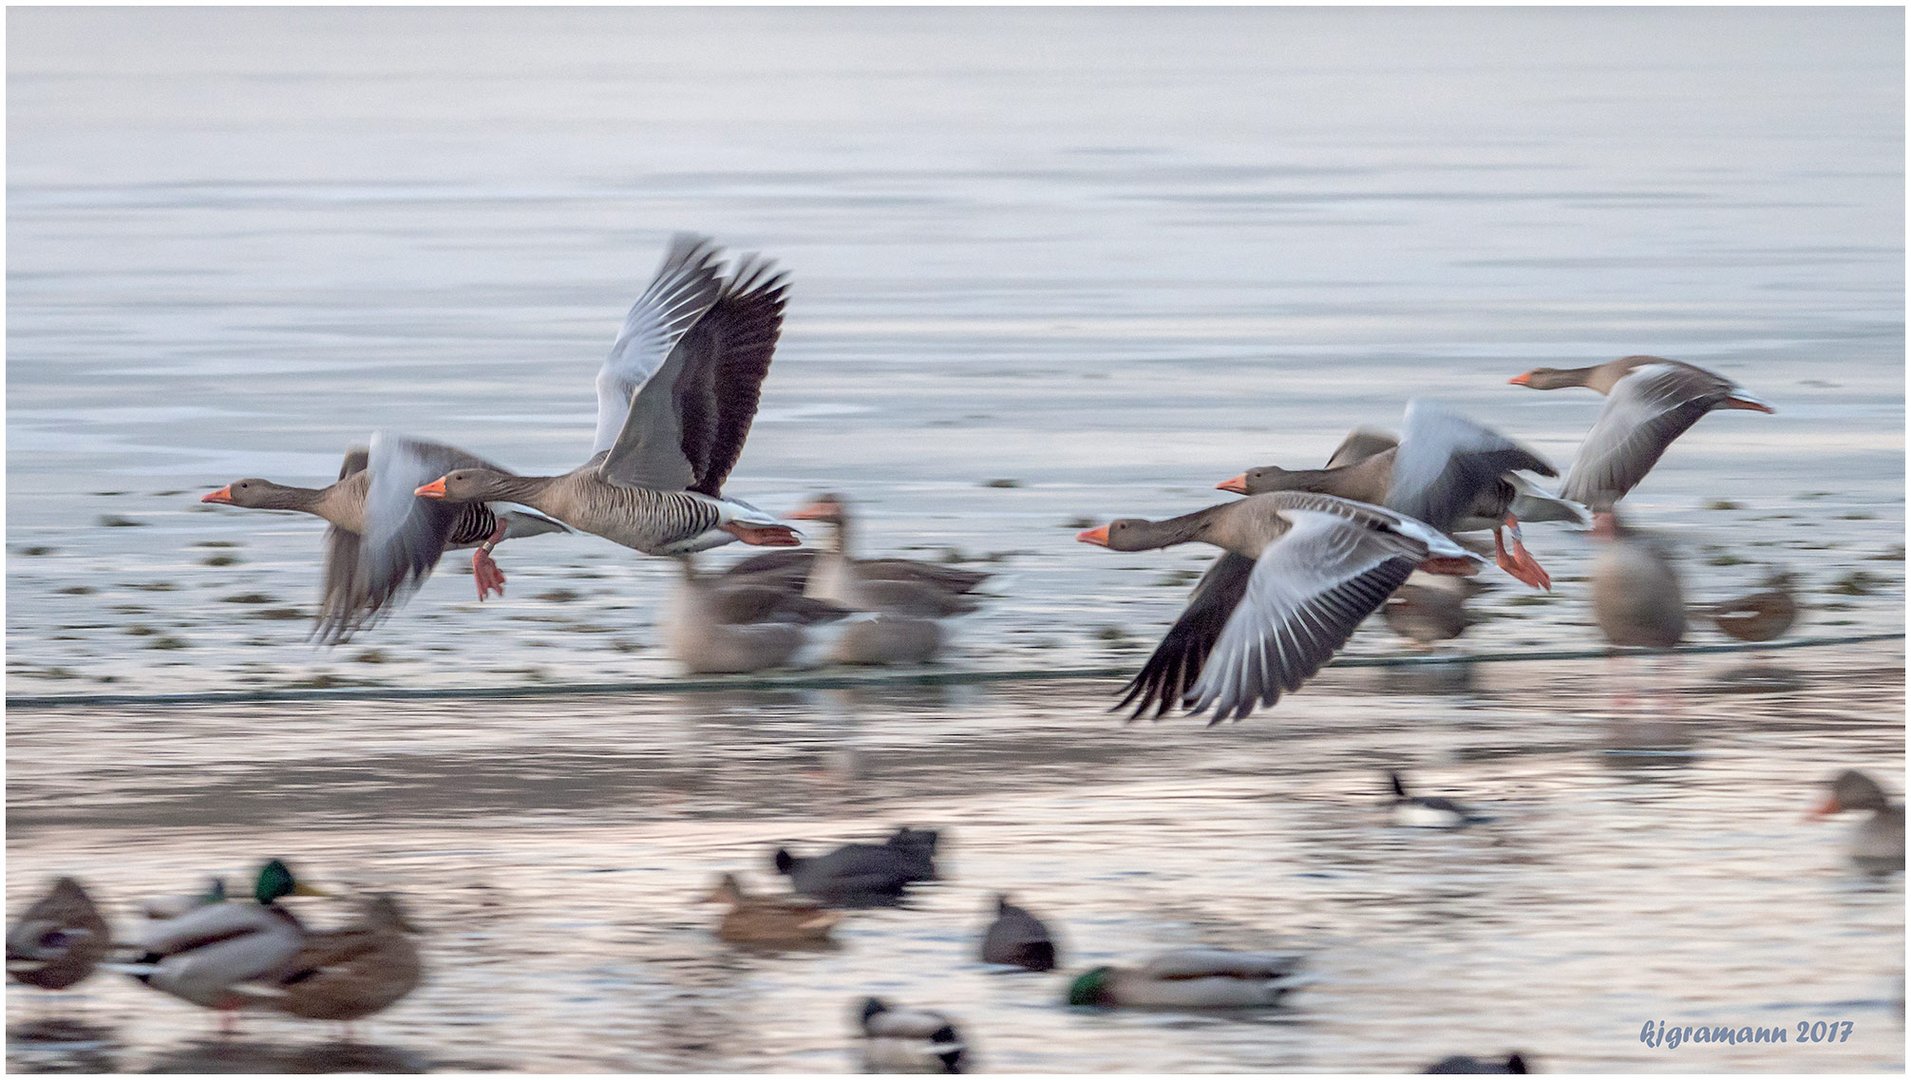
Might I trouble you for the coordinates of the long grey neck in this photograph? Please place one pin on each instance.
(521, 489)
(1186, 529)
(309, 500)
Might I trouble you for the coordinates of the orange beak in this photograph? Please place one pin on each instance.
(223, 495)
(812, 512)
(433, 490)
(1097, 536)
(1238, 485)
(1521, 380)
(1824, 809)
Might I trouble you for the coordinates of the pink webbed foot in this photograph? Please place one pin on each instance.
(763, 535)
(485, 571)
(1518, 561)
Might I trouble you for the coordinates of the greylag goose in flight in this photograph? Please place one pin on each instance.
(896, 586)
(1299, 571)
(1438, 442)
(384, 541)
(1650, 401)
(675, 400)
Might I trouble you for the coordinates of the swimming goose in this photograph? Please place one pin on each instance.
(1298, 572)
(1018, 938)
(1189, 979)
(59, 940)
(1759, 616)
(351, 972)
(763, 919)
(1636, 596)
(208, 955)
(1878, 841)
(1650, 401)
(861, 872)
(727, 625)
(1427, 812)
(675, 400)
(1440, 447)
(898, 586)
(384, 541)
(909, 1040)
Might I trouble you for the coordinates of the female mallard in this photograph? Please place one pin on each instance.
(351, 972)
(909, 1040)
(59, 940)
(209, 955)
(763, 919)
(1189, 979)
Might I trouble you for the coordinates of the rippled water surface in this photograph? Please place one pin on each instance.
(1049, 266)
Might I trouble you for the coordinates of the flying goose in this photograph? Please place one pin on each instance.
(675, 400)
(1440, 447)
(1650, 401)
(384, 541)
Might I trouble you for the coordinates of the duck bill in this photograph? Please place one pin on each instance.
(302, 889)
(1237, 485)
(1824, 809)
(1096, 536)
(1522, 380)
(433, 490)
(223, 495)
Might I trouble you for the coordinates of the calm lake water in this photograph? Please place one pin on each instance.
(1049, 266)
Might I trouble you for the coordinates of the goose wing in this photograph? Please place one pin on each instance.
(1177, 661)
(685, 286)
(1359, 445)
(1308, 591)
(688, 422)
(1646, 410)
(1446, 461)
(404, 535)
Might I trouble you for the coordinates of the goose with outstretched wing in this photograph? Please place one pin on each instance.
(676, 399)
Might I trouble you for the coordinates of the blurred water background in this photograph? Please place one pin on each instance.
(1050, 266)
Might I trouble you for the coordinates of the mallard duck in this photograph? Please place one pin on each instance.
(1759, 616)
(172, 907)
(909, 1040)
(212, 954)
(857, 872)
(59, 940)
(353, 971)
(1019, 938)
(1189, 979)
(762, 919)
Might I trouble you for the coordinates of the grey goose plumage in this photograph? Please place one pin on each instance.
(1301, 571)
(383, 541)
(1650, 401)
(676, 398)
